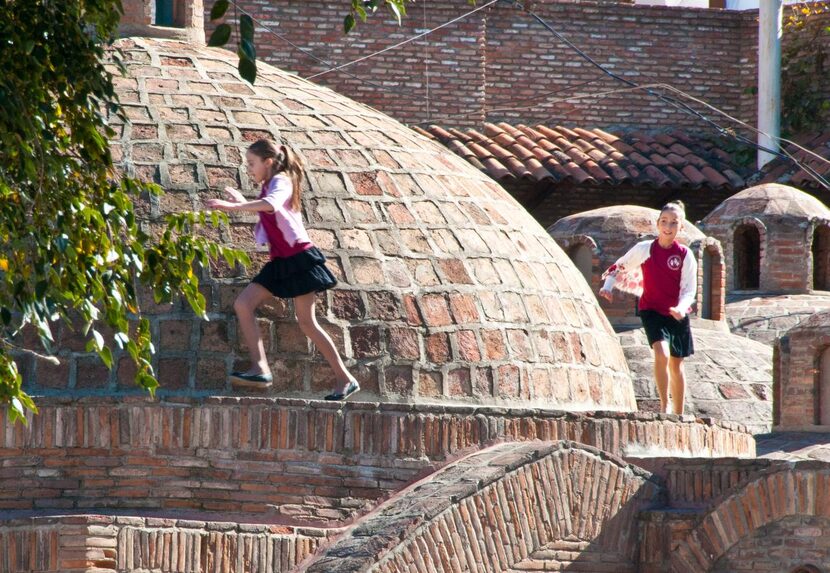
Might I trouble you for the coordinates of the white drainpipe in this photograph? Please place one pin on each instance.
(769, 77)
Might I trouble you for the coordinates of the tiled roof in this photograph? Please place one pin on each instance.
(591, 157)
(785, 171)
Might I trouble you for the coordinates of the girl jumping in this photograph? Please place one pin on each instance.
(296, 270)
(667, 289)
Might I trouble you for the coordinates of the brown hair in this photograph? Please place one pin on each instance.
(676, 206)
(284, 160)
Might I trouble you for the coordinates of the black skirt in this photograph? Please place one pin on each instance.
(296, 275)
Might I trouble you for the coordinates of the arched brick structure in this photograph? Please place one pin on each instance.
(801, 384)
(787, 223)
(749, 242)
(819, 237)
(510, 507)
(584, 253)
(731, 535)
(711, 274)
(783, 218)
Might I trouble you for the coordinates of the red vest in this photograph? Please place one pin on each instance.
(661, 277)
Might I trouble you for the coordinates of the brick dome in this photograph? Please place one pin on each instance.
(768, 233)
(448, 288)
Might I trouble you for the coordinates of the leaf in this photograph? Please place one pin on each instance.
(247, 69)
(218, 9)
(106, 356)
(348, 23)
(246, 27)
(99, 340)
(361, 11)
(220, 35)
(247, 49)
(397, 9)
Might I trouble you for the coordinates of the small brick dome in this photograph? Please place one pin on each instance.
(618, 223)
(448, 288)
(768, 233)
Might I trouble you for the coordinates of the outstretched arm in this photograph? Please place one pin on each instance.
(635, 257)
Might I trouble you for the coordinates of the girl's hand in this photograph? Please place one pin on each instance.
(607, 295)
(234, 196)
(676, 313)
(220, 204)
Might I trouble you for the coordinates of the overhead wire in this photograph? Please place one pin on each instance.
(403, 42)
(311, 55)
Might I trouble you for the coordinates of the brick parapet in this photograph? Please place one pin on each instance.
(267, 457)
(106, 543)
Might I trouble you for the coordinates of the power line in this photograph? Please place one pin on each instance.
(403, 42)
(312, 56)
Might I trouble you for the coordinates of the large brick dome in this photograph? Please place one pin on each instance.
(448, 288)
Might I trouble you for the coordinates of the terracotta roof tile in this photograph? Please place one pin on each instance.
(785, 171)
(591, 157)
(692, 174)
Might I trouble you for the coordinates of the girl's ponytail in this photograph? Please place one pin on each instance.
(284, 160)
(293, 166)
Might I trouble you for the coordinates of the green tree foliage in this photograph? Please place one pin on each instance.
(71, 248)
(804, 84)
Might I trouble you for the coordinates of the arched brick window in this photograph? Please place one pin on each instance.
(823, 389)
(582, 256)
(821, 258)
(746, 245)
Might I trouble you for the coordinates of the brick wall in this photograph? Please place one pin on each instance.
(268, 458)
(106, 544)
(500, 58)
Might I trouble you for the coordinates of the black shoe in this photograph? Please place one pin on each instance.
(350, 389)
(251, 380)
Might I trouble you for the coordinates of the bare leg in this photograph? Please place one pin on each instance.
(307, 319)
(245, 307)
(661, 372)
(678, 384)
